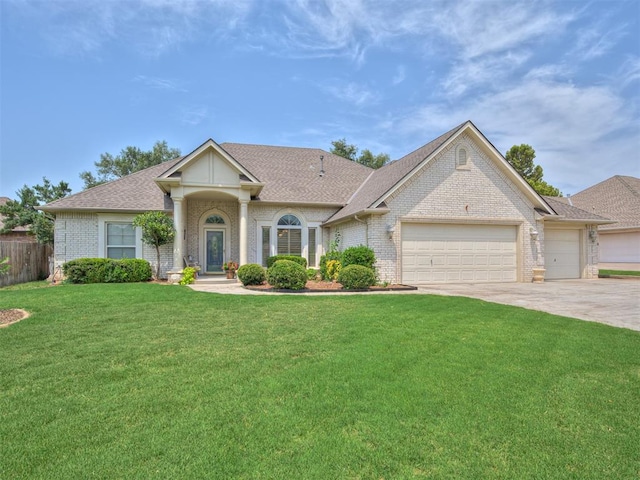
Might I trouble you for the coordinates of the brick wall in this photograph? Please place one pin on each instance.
(481, 192)
(76, 236)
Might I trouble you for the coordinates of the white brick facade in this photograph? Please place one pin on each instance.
(77, 235)
(482, 191)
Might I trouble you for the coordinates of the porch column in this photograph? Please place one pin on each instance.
(243, 231)
(178, 223)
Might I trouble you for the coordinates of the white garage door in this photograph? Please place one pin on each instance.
(442, 253)
(619, 247)
(562, 254)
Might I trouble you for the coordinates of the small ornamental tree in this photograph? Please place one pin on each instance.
(157, 230)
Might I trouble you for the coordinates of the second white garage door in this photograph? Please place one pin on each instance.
(443, 253)
(562, 254)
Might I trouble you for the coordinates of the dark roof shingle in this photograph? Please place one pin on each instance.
(385, 178)
(135, 192)
(569, 212)
(292, 174)
(617, 198)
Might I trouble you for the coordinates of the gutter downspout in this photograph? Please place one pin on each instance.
(366, 226)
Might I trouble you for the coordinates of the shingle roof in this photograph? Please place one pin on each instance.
(292, 174)
(617, 198)
(569, 212)
(385, 178)
(135, 192)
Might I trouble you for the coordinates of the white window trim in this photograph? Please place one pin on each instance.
(273, 232)
(261, 224)
(202, 231)
(102, 233)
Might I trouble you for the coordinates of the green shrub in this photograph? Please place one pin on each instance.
(359, 255)
(312, 273)
(294, 258)
(333, 269)
(107, 270)
(251, 274)
(324, 259)
(188, 276)
(356, 277)
(287, 274)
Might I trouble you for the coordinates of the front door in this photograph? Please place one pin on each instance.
(214, 251)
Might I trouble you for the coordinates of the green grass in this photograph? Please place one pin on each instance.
(154, 381)
(632, 273)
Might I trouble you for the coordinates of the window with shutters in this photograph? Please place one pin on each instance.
(289, 235)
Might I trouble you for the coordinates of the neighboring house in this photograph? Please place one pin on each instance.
(451, 211)
(617, 198)
(18, 234)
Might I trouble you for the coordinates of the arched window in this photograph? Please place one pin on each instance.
(215, 219)
(289, 235)
(462, 157)
(289, 220)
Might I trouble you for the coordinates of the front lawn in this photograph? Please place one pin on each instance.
(156, 381)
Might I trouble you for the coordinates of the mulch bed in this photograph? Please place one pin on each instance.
(7, 317)
(325, 287)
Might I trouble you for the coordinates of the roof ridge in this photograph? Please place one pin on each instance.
(446, 134)
(361, 186)
(622, 180)
(275, 146)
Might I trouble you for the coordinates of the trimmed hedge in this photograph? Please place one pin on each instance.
(251, 274)
(287, 274)
(356, 277)
(359, 255)
(107, 270)
(293, 258)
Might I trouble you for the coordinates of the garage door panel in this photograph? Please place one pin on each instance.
(562, 254)
(459, 253)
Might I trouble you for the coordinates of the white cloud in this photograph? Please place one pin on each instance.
(597, 39)
(353, 93)
(579, 133)
(629, 71)
(194, 115)
(481, 28)
(490, 70)
(400, 75)
(83, 27)
(160, 83)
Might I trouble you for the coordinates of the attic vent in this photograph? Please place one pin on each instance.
(322, 165)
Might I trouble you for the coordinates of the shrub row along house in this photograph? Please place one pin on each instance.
(451, 211)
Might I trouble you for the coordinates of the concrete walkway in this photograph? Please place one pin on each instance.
(611, 301)
(606, 300)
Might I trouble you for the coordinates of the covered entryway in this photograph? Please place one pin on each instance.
(451, 253)
(562, 254)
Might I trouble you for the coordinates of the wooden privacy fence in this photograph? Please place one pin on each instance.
(29, 262)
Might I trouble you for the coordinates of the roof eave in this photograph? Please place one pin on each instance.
(362, 213)
(102, 210)
(563, 219)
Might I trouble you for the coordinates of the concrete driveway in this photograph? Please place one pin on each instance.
(606, 300)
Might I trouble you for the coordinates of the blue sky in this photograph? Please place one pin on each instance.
(79, 78)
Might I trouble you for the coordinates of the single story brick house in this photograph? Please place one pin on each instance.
(453, 210)
(617, 198)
